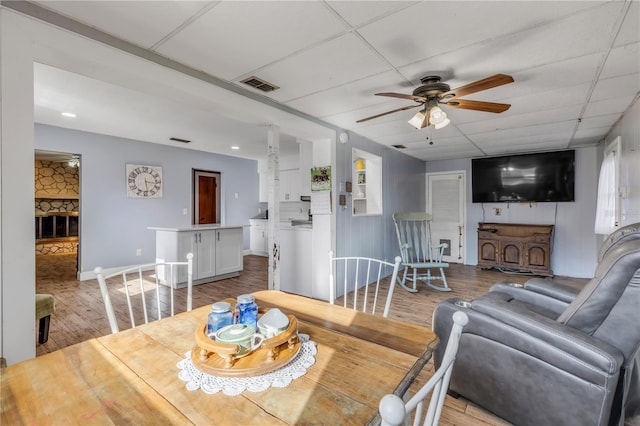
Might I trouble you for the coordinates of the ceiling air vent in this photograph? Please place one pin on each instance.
(259, 84)
(399, 146)
(179, 140)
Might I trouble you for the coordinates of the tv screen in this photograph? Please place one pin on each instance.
(539, 177)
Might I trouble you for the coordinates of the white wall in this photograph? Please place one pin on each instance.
(575, 245)
(17, 266)
(113, 226)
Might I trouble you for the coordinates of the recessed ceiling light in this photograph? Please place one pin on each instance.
(235, 147)
(68, 114)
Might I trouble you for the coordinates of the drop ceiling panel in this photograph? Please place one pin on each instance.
(441, 152)
(401, 37)
(581, 34)
(616, 87)
(548, 115)
(327, 65)
(123, 19)
(234, 39)
(352, 97)
(412, 136)
(543, 143)
(608, 106)
(564, 96)
(630, 31)
(357, 13)
(622, 60)
(602, 121)
(559, 131)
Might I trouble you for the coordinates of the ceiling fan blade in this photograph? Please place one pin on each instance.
(403, 96)
(478, 86)
(388, 112)
(477, 105)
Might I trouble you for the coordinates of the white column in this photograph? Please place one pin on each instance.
(273, 140)
(324, 225)
(17, 233)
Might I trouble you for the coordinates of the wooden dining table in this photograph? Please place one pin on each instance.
(131, 377)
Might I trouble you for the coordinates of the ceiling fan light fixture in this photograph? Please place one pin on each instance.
(437, 115)
(418, 120)
(443, 123)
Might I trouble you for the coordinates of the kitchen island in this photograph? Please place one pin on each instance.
(217, 251)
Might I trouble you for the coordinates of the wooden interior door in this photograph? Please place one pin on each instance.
(206, 197)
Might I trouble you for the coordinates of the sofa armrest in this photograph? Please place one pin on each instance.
(558, 291)
(542, 303)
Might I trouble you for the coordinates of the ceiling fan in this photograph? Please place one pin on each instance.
(432, 92)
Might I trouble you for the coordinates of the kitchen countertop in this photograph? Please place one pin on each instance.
(196, 227)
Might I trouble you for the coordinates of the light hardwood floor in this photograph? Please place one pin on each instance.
(80, 313)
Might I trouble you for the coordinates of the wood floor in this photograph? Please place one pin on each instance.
(80, 313)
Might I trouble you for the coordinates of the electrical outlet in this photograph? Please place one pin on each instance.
(236, 195)
(185, 212)
(138, 252)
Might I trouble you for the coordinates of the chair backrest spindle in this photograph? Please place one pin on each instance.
(394, 411)
(126, 283)
(357, 274)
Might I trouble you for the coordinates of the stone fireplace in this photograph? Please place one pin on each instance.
(56, 207)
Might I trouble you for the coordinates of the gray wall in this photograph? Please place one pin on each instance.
(575, 244)
(403, 189)
(113, 226)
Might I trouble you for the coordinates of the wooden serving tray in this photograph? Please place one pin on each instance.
(220, 359)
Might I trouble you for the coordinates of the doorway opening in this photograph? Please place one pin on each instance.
(206, 197)
(446, 203)
(57, 214)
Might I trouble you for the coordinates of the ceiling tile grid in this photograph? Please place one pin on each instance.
(576, 66)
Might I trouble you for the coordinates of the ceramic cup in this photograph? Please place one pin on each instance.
(243, 335)
(272, 323)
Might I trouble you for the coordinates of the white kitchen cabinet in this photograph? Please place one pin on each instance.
(228, 251)
(295, 260)
(259, 237)
(290, 185)
(217, 251)
(203, 246)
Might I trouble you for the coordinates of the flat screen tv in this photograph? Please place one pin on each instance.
(542, 177)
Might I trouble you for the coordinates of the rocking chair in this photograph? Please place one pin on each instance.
(414, 237)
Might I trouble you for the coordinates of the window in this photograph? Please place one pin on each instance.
(608, 199)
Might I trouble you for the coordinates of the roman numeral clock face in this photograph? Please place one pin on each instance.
(144, 181)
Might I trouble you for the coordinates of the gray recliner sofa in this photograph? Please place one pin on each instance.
(546, 355)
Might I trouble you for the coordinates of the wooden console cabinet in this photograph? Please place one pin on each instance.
(515, 247)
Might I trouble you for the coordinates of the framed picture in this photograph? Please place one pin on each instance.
(362, 178)
(144, 181)
(321, 178)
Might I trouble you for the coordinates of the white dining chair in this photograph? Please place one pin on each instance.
(359, 281)
(394, 411)
(125, 281)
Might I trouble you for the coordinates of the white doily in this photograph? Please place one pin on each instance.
(279, 378)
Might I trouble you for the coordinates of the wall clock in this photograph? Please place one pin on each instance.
(144, 181)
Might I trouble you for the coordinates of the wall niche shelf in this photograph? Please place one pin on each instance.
(367, 183)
